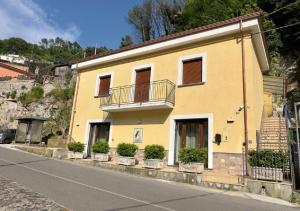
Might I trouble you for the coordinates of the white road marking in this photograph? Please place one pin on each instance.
(88, 186)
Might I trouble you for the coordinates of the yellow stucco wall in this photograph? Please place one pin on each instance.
(221, 95)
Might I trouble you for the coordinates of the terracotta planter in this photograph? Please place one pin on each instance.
(153, 163)
(265, 173)
(101, 157)
(191, 167)
(75, 155)
(126, 161)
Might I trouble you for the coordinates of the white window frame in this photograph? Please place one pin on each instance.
(133, 76)
(111, 74)
(188, 58)
(173, 119)
(88, 128)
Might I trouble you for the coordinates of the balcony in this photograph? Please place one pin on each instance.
(153, 95)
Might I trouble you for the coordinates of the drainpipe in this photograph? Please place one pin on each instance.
(244, 99)
(74, 104)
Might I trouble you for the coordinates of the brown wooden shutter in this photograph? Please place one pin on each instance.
(104, 86)
(142, 85)
(192, 71)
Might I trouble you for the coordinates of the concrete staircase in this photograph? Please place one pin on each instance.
(273, 133)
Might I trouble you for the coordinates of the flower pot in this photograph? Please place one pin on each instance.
(153, 163)
(126, 161)
(101, 157)
(266, 173)
(75, 155)
(191, 167)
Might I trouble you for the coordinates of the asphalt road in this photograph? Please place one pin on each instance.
(86, 188)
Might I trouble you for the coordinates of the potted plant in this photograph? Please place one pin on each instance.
(192, 159)
(75, 150)
(126, 154)
(100, 150)
(268, 164)
(154, 155)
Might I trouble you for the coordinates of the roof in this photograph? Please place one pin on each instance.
(14, 68)
(30, 118)
(84, 62)
(60, 65)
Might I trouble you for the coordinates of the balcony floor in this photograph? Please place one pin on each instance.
(137, 106)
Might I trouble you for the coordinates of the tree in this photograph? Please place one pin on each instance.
(154, 18)
(126, 41)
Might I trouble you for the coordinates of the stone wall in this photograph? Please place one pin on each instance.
(15, 85)
(228, 163)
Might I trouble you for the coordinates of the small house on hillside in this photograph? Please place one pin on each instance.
(60, 70)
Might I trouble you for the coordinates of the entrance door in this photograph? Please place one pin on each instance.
(191, 134)
(142, 85)
(98, 132)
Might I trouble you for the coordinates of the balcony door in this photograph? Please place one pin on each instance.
(142, 85)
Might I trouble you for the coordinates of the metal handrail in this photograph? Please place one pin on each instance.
(155, 91)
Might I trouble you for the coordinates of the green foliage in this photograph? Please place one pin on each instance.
(295, 96)
(101, 147)
(126, 41)
(13, 94)
(34, 95)
(76, 147)
(268, 158)
(154, 152)
(62, 94)
(126, 150)
(193, 155)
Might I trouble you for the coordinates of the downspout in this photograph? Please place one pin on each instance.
(74, 104)
(244, 99)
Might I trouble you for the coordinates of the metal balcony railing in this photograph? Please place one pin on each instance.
(162, 91)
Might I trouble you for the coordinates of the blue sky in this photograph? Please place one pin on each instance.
(89, 22)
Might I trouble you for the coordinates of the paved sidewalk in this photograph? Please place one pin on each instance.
(16, 197)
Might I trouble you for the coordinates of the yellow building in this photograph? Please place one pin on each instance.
(182, 90)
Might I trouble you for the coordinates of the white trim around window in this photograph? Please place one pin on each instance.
(141, 67)
(88, 128)
(191, 57)
(173, 119)
(97, 84)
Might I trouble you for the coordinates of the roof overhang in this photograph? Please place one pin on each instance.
(252, 25)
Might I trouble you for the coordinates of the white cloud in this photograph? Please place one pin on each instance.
(27, 20)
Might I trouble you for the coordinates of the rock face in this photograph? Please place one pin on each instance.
(10, 107)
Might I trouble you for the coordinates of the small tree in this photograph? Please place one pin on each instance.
(126, 41)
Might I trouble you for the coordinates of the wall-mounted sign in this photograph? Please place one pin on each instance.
(138, 134)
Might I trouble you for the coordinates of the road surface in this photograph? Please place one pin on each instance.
(80, 187)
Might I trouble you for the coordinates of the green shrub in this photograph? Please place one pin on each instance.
(268, 158)
(13, 94)
(193, 155)
(62, 94)
(37, 92)
(76, 147)
(34, 95)
(101, 147)
(154, 151)
(126, 150)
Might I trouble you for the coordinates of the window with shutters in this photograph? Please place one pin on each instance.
(104, 85)
(191, 70)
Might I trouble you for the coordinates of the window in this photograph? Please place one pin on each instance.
(104, 85)
(104, 82)
(192, 70)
